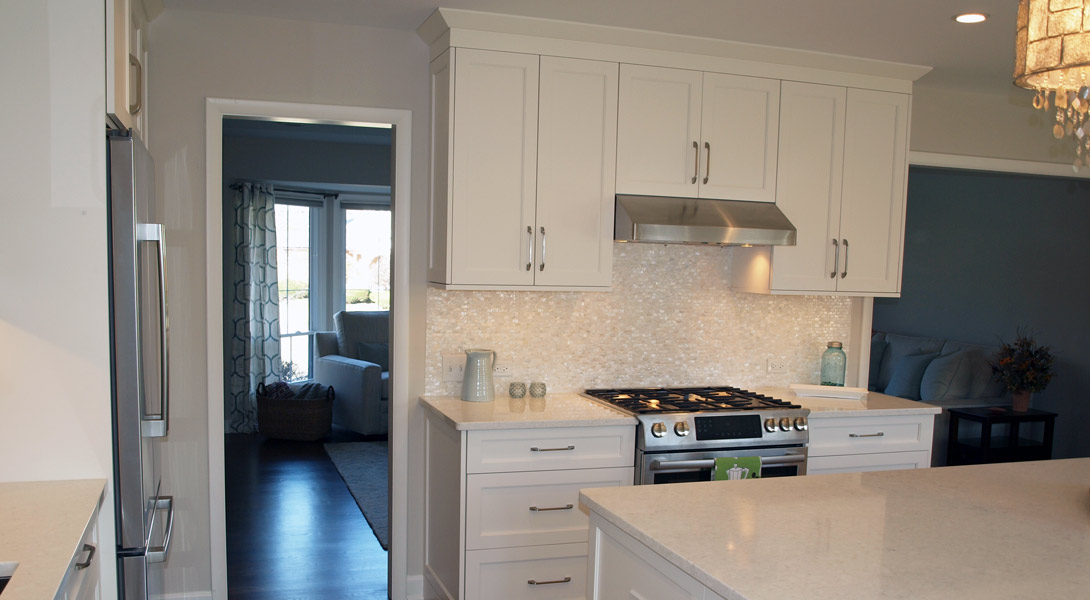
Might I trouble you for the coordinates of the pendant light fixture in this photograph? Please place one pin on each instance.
(1052, 57)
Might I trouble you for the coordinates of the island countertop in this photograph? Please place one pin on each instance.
(41, 525)
(1014, 530)
(554, 410)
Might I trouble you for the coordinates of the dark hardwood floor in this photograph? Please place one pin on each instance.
(293, 529)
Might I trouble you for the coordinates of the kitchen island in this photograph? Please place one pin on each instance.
(44, 526)
(1016, 530)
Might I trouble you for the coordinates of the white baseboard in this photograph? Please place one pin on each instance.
(414, 587)
(199, 595)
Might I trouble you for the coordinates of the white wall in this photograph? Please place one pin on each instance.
(987, 125)
(198, 55)
(54, 329)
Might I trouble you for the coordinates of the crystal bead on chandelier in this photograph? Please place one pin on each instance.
(1052, 57)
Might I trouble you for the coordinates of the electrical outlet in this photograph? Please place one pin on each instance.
(454, 366)
(776, 365)
(501, 370)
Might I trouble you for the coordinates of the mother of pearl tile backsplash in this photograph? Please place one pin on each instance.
(671, 319)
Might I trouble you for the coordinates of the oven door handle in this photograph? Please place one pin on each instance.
(709, 463)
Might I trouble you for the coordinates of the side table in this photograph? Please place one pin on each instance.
(988, 448)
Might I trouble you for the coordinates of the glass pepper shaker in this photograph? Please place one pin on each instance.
(833, 363)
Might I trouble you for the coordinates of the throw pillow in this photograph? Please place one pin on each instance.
(945, 377)
(877, 349)
(906, 376)
(376, 352)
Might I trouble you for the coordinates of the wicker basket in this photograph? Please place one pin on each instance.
(294, 418)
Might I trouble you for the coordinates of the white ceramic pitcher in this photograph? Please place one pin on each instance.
(477, 383)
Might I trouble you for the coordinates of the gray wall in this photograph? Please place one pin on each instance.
(988, 253)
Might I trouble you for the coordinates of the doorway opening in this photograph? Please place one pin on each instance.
(306, 279)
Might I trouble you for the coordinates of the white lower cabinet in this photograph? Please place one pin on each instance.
(556, 572)
(624, 569)
(880, 443)
(81, 580)
(502, 516)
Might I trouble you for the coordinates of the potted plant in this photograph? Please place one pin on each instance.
(1024, 367)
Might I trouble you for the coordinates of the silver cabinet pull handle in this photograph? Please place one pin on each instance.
(565, 507)
(542, 249)
(536, 449)
(90, 550)
(696, 161)
(707, 157)
(863, 435)
(533, 582)
(135, 107)
(158, 554)
(530, 246)
(836, 258)
(844, 273)
(157, 425)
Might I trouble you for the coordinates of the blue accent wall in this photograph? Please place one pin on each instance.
(989, 253)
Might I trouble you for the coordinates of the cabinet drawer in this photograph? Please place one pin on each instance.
(559, 571)
(532, 508)
(507, 450)
(81, 580)
(879, 461)
(864, 435)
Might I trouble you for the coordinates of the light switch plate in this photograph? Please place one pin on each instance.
(776, 365)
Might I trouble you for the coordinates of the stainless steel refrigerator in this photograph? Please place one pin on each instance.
(140, 383)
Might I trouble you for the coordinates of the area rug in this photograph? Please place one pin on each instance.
(364, 468)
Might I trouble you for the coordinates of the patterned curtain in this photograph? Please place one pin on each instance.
(255, 311)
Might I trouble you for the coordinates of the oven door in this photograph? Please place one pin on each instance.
(678, 467)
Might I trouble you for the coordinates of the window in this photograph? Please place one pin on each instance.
(312, 285)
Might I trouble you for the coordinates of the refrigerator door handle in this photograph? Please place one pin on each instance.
(158, 554)
(157, 425)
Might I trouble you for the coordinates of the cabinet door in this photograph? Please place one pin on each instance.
(808, 185)
(576, 172)
(126, 80)
(494, 179)
(658, 131)
(739, 133)
(873, 205)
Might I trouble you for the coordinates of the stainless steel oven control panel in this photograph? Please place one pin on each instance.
(723, 430)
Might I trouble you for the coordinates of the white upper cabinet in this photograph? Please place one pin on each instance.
(126, 65)
(841, 182)
(494, 167)
(809, 185)
(576, 172)
(693, 134)
(873, 205)
(523, 171)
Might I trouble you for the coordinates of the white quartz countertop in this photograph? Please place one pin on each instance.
(41, 525)
(872, 405)
(1014, 530)
(554, 410)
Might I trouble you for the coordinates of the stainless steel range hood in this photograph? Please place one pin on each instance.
(669, 220)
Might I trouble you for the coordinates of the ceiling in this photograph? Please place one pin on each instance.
(967, 57)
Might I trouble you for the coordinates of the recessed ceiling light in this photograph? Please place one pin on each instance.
(971, 18)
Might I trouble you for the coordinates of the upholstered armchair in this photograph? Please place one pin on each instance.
(355, 360)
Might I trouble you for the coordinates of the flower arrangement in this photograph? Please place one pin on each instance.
(1023, 365)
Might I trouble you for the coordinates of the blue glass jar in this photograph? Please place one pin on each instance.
(833, 364)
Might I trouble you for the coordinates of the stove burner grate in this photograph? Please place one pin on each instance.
(694, 399)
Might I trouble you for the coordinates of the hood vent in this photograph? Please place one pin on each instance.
(668, 220)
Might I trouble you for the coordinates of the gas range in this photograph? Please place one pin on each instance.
(708, 417)
(682, 432)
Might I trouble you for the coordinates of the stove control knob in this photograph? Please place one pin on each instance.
(785, 424)
(770, 425)
(658, 429)
(681, 428)
(800, 424)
